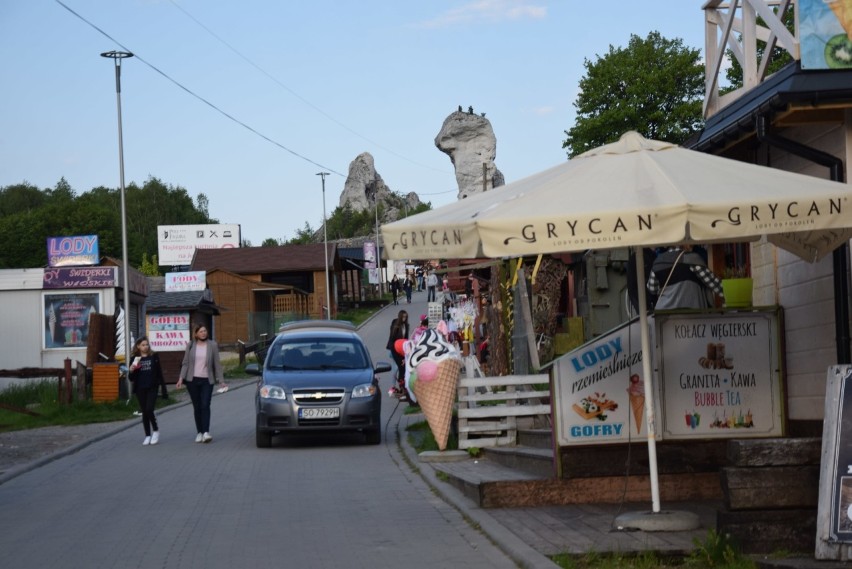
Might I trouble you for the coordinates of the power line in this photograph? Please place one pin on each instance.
(289, 90)
(199, 97)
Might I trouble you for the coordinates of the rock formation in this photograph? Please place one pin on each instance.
(469, 141)
(364, 186)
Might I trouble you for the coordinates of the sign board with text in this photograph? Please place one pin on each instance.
(72, 251)
(186, 281)
(721, 374)
(176, 244)
(599, 390)
(167, 331)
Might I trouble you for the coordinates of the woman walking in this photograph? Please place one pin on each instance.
(200, 369)
(398, 331)
(146, 375)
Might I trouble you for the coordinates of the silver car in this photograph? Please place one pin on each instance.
(318, 377)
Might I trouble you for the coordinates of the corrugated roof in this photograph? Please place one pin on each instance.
(265, 259)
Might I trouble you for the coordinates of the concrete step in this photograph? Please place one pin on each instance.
(538, 438)
(529, 460)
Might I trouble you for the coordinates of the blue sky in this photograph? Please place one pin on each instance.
(317, 83)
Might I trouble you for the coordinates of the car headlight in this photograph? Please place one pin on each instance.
(364, 390)
(272, 392)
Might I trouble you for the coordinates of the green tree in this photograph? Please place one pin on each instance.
(149, 268)
(654, 86)
(303, 236)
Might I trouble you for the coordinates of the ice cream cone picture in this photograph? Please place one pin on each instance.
(436, 364)
(636, 391)
(843, 12)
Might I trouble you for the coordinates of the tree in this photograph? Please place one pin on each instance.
(654, 86)
(303, 236)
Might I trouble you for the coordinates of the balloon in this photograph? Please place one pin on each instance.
(427, 370)
(399, 347)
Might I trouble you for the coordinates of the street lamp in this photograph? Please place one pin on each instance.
(378, 247)
(325, 241)
(117, 56)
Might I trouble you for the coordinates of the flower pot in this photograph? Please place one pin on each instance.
(737, 292)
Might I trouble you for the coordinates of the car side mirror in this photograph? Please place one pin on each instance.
(253, 369)
(382, 367)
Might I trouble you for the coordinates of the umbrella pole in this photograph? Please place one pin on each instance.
(646, 374)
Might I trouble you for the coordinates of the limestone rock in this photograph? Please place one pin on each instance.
(364, 186)
(469, 141)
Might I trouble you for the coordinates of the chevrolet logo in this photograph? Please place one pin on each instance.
(319, 395)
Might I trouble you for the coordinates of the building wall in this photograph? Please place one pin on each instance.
(805, 290)
(235, 296)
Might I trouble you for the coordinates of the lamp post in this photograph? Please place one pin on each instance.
(117, 56)
(325, 247)
(378, 247)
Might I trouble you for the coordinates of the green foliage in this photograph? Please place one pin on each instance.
(654, 86)
(421, 438)
(595, 560)
(718, 550)
(28, 216)
(149, 268)
(304, 236)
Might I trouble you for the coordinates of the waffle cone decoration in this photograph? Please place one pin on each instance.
(637, 404)
(437, 397)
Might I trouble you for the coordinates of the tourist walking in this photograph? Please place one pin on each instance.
(146, 376)
(200, 370)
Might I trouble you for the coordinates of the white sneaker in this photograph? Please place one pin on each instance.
(198, 437)
(147, 441)
(155, 437)
(206, 438)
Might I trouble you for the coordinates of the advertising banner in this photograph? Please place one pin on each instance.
(370, 262)
(599, 390)
(825, 27)
(721, 374)
(72, 251)
(89, 277)
(168, 332)
(176, 244)
(66, 318)
(187, 281)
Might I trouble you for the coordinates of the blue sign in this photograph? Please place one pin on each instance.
(72, 251)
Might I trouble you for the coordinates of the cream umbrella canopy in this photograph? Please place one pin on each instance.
(634, 193)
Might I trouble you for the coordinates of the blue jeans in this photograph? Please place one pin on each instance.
(200, 392)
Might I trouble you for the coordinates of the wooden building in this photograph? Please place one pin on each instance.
(259, 288)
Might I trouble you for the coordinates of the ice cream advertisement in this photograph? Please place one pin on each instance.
(600, 391)
(66, 319)
(721, 374)
(825, 32)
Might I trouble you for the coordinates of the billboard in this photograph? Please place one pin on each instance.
(825, 28)
(176, 244)
(168, 332)
(186, 281)
(72, 251)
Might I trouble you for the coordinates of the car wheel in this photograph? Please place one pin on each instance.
(373, 436)
(263, 439)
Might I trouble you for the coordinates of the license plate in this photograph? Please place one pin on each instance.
(319, 412)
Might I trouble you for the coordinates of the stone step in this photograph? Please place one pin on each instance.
(538, 438)
(529, 460)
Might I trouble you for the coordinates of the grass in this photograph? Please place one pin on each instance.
(717, 551)
(421, 438)
(357, 315)
(41, 398)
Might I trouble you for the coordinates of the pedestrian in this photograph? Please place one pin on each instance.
(408, 286)
(431, 286)
(146, 375)
(424, 325)
(200, 369)
(680, 278)
(418, 273)
(468, 287)
(394, 286)
(399, 330)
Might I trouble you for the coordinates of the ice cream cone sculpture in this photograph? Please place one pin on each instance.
(636, 391)
(435, 366)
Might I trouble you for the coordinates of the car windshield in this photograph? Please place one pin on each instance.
(316, 354)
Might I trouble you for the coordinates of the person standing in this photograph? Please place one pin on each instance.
(431, 286)
(399, 330)
(394, 286)
(468, 286)
(146, 375)
(680, 278)
(418, 273)
(200, 369)
(408, 286)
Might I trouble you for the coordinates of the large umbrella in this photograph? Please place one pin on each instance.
(633, 193)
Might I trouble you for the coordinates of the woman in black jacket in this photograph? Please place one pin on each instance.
(399, 330)
(146, 374)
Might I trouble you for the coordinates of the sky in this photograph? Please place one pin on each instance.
(247, 101)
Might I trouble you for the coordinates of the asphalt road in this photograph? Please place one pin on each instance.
(306, 503)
